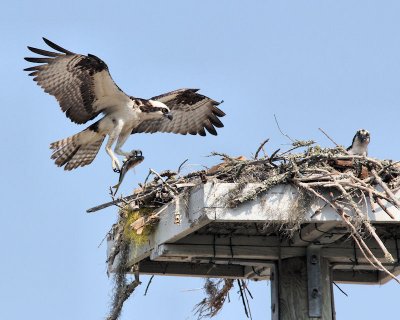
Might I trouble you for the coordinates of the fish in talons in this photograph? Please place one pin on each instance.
(130, 162)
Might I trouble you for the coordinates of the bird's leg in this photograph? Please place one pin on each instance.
(112, 137)
(121, 140)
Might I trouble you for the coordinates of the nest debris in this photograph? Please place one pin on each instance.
(315, 172)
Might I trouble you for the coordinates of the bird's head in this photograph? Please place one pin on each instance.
(156, 110)
(363, 136)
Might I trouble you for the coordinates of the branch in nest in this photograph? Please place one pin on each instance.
(366, 222)
(386, 188)
(260, 148)
(164, 182)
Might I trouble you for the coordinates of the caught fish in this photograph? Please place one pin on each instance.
(128, 164)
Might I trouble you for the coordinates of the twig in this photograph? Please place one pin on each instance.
(129, 199)
(384, 208)
(180, 167)
(271, 158)
(367, 223)
(385, 187)
(320, 129)
(340, 289)
(165, 182)
(259, 148)
(284, 134)
(243, 301)
(148, 284)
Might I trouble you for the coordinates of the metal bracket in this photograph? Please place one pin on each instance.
(314, 278)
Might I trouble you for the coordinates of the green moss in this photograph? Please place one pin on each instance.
(130, 216)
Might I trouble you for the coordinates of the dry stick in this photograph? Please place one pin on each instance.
(386, 188)
(360, 242)
(284, 134)
(181, 165)
(372, 201)
(296, 147)
(320, 129)
(362, 245)
(384, 208)
(243, 301)
(367, 223)
(148, 284)
(147, 178)
(223, 155)
(165, 182)
(349, 184)
(271, 158)
(130, 198)
(369, 190)
(245, 290)
(259, 148)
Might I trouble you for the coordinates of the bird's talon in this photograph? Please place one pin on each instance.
(116, 170)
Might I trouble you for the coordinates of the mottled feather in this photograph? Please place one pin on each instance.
(192, 113)
(81, 84)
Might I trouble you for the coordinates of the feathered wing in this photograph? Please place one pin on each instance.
(192, 113)
(81, 84)
(78, 150)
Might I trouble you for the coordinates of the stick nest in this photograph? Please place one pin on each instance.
(342, 181)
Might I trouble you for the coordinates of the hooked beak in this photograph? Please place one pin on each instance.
(169, 115)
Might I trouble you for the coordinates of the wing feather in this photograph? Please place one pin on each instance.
(81, 84)
(192, 113)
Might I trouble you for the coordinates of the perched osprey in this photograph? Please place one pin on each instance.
(359, 146)
(84, 89)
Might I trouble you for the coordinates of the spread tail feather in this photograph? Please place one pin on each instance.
(78, 150)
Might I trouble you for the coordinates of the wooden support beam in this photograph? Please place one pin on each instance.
(189, 252)
(317, 233)
(191, 269)
(274, 292)
(292, 286)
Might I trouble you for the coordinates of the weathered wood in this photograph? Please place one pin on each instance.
(192, 269)
(274, 292)
(189, 252)
(293, 303)
(223, 236)
(314, 232)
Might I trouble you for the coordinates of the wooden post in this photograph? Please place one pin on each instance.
(290, 287)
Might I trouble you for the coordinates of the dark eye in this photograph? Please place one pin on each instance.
(164, 110)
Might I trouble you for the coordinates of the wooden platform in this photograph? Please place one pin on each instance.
(215, 240)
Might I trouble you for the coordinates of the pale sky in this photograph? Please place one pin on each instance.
(329, 64)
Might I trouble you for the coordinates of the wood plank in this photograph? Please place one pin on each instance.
(191, 269)
(316, 232)
(357, 276)
(293, 303)
(336, 253)
(190, 252)
(280, 203)
(192, 218)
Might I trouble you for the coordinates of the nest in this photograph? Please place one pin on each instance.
(315, 172)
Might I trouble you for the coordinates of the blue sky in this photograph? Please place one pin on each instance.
(329, 64)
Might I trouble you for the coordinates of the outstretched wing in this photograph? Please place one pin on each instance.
(81, 84)
(192, 113)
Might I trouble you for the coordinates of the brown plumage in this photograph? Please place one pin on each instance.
(84, 89)
(192, 113)
(74, 152)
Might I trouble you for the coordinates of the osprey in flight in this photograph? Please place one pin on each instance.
(359, 146)
(84, 88)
